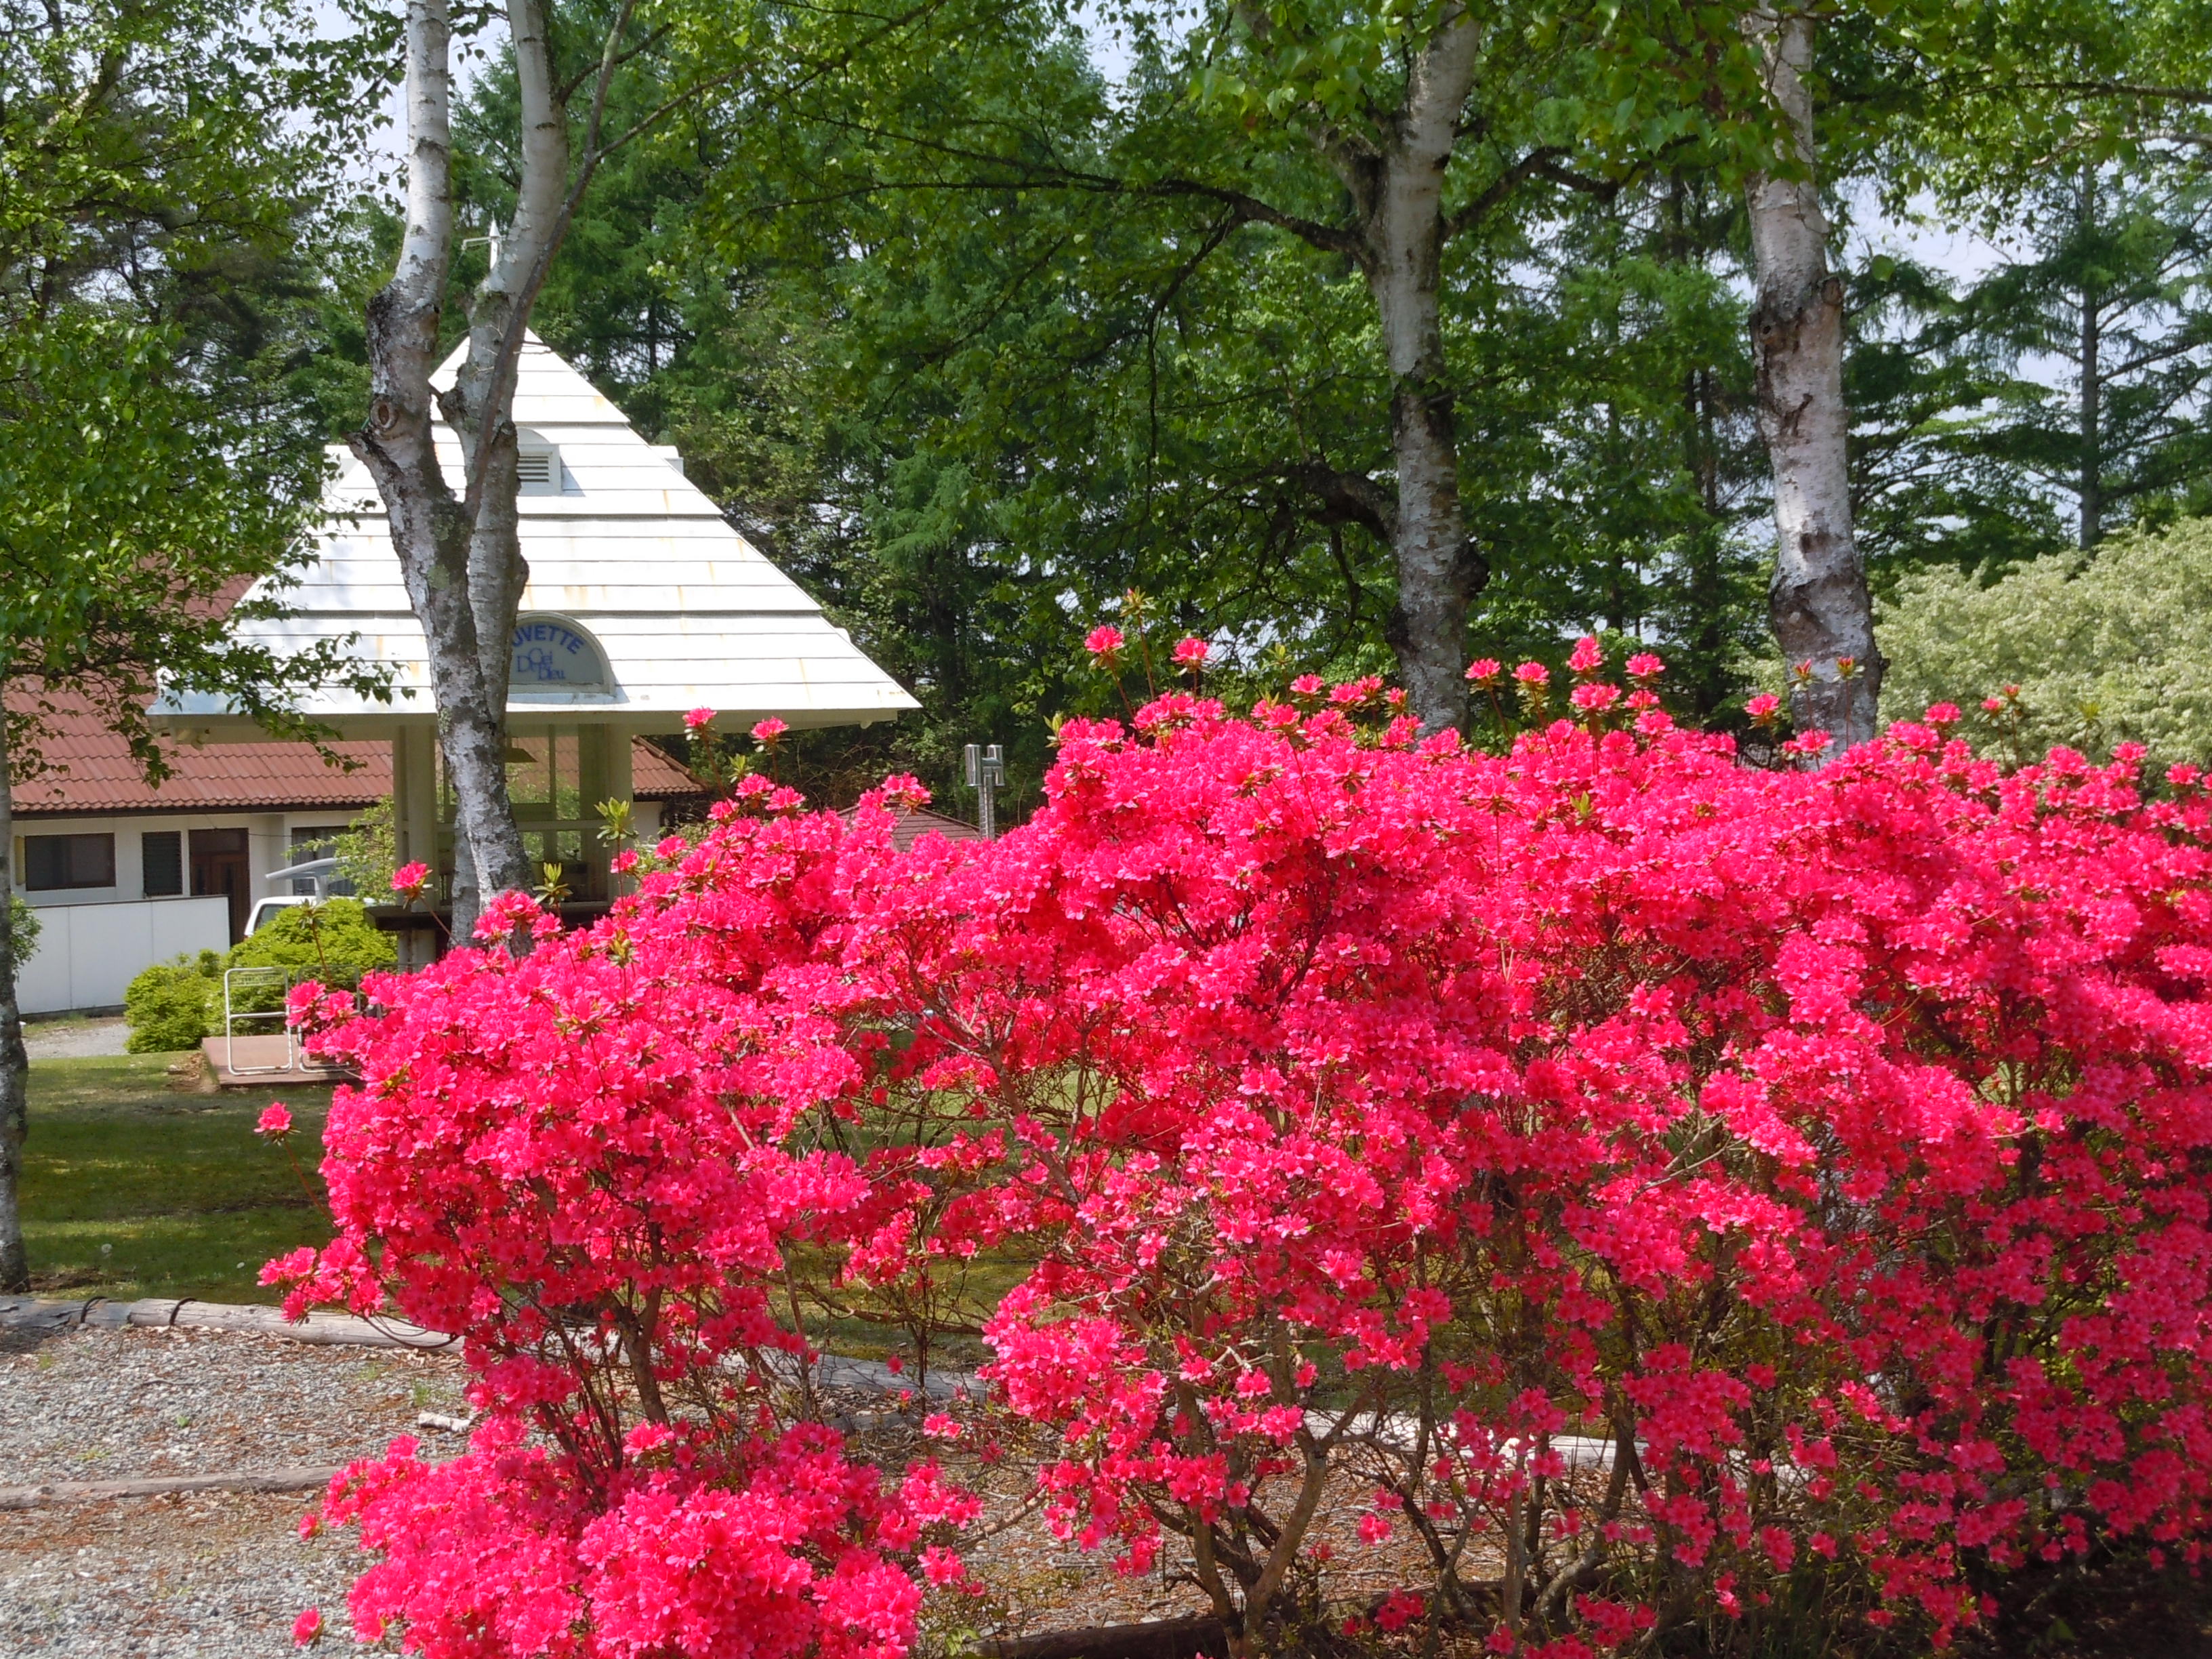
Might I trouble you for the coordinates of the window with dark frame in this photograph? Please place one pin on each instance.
(317, 841)
(53, 862)
(161, 855)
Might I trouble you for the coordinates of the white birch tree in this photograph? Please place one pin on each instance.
(458, 550)
(1818, 604)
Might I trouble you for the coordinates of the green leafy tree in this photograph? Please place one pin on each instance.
(2115, 293)
(1934, 399)
(971, 406)
(1375, 160)
(368, 854)
(138, 142)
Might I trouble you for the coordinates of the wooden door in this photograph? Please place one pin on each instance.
(219, 866)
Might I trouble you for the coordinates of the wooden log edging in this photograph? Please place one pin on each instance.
(311, 1477)
(1159, 1639)
(97, 1313)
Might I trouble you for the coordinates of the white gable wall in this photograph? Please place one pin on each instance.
(690, 614)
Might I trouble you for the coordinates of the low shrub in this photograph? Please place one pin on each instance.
(23, 929)
(334, 942)
(2098, 648)
(171, 1006)
(1670, 1194)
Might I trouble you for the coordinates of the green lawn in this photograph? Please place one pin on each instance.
(134, 1188)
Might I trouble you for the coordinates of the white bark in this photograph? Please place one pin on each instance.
(497, 316)
(460, 556)
(2091, 472)
(1818, 604)
(1404, 230)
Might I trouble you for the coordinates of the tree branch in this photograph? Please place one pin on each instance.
(1347, 497)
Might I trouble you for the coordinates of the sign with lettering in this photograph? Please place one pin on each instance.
(551, 653)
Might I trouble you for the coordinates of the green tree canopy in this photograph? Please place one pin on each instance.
(147, 147)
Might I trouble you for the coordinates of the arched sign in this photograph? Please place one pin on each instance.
(552, 654)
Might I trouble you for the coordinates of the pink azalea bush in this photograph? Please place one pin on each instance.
(583, 1161)
(1648, 1188)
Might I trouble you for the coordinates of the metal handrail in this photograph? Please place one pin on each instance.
(282, 977)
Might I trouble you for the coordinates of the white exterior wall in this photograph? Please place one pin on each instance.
(268, 843)
(87, 953)
(95, 940)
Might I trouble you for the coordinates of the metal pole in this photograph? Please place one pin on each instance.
(986, 769)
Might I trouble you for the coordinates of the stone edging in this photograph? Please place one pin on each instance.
(311, 1479)
(97, 1313)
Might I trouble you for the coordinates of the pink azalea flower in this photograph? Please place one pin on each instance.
(276, 1120)
(1191, 653)
(698, 719)
(410, 879)
(1592, 698)
(1424, 1046)
(905, 792)
(769, 730)
(307, 1628)
(1105, 641)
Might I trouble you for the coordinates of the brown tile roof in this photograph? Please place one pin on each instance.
(88, 770)
(654, 775)
(911, 827)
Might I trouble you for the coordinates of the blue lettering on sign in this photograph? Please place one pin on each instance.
(544, 652)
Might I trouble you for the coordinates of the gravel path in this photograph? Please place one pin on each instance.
(223, 1574)
(219, 1575)
(75, 1039)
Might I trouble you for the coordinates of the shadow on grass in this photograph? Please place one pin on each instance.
(133, 1187)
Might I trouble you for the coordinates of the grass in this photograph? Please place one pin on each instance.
(132, 1187)
(135, 1187)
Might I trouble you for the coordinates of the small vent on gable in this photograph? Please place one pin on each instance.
(537, 465)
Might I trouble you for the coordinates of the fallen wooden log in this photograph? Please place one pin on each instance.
(1159, 1639)
(93, 1492)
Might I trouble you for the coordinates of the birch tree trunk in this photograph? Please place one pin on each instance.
(1818, 605)
(1399, 191)
(15, 1063)
(461, 556)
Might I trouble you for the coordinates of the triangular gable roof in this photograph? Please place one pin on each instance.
(688, 613)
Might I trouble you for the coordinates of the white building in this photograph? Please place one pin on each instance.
(124, 874)
(642, 604)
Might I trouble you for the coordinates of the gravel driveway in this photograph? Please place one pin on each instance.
(205, 1576)
(75, 1039)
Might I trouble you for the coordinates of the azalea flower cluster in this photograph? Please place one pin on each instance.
(1635, 1179)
